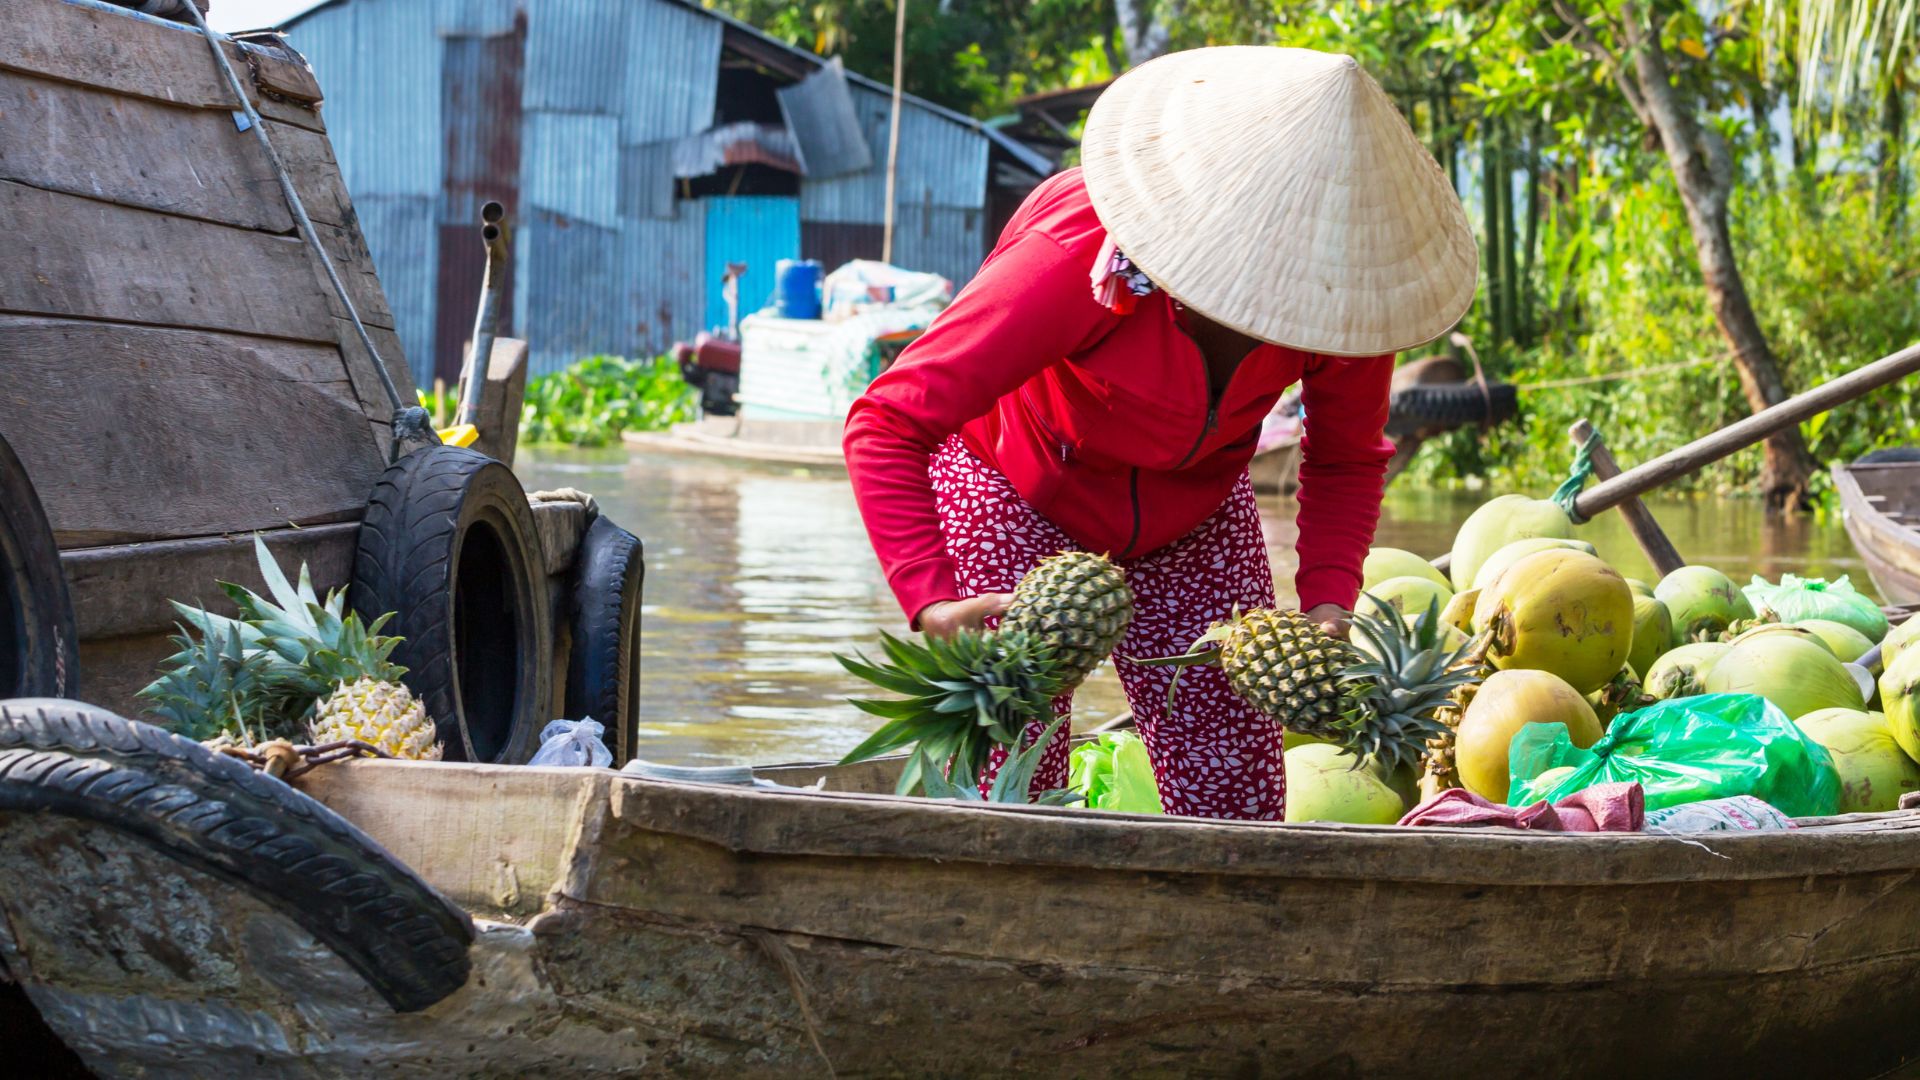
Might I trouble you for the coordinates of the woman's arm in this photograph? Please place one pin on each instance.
(1030, 306)
(1343, 473)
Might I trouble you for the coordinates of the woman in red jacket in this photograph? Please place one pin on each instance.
(1246, 218)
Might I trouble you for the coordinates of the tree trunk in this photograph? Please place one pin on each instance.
(1490, 204)
(1145, 32)
(1509, 265)
(1532, 241)
(1703, 172)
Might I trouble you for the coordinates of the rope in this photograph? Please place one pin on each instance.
(1569, 489)
(410, 420)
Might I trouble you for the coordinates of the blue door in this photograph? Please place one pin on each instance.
(758, 230)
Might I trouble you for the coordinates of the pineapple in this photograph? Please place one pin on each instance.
(381, 713)
(961, 696)
(1077, 602)
(216, 689)
(319, 670)
(1385, 711)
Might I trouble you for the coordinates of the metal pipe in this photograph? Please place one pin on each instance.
(486, 319)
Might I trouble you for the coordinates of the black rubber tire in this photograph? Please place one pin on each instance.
(39, 651)
(448, 543)
(603, 669)
(214, 813)
(1892, 455)
(1454, 404)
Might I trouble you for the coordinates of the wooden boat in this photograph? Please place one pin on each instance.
(637, 927)
(806, 444)
(1880, 502)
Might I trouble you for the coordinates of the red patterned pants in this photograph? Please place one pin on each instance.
(1213, 756)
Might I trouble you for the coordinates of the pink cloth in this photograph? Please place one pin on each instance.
(1600, 808)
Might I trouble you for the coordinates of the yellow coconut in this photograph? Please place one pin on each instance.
(1405, 596)
(1498, 523)
(1560, 611)
(1506, 702)
(1324, 785)
(1498, 562)
(1459, 611)
(1385, 562)
(1652, 634)
(1874, 771)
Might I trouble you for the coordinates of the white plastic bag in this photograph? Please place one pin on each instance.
(573, 742)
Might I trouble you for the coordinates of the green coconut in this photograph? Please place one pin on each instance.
(1500, 522)
(1682, 671)
(1900, 697)
(1405, 596)
(1874, 771)
(1785, 630)
(1505, 703)
(1640, 588)
(1896, 640)
(1385, 562)
(1797, 675)
(1498, 562)
(1652, 634)
(1843, 641)
(1701, 601)
(1560, 611)
(1324, 785)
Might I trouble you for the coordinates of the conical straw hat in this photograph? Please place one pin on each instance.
(1279, 192)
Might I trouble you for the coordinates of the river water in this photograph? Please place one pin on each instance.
(757, 575)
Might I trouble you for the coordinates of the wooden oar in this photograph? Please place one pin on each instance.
(1740, 434)
(1646, 530)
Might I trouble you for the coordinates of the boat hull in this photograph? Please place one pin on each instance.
(645, 927)
(1878, 501)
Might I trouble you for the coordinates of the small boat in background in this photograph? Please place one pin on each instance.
(1880, 500)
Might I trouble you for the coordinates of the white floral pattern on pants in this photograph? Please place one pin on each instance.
(1214, 756)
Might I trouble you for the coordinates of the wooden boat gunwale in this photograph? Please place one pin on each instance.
(1890, 549)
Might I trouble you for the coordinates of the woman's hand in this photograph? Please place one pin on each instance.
(1331, 618)
(945, 618)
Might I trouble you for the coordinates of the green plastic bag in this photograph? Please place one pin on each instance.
(1797, 599)
(1113, 773)
(1684, 750)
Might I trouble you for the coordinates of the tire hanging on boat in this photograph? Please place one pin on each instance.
(215, 814)
(603, 672)
(448, 543)
(39, 651)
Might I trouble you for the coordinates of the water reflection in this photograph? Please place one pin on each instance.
(757, 575)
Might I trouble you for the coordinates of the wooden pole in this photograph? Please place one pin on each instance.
(1640, 520)
(893, 124)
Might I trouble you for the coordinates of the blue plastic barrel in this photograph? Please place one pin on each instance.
(796, 289)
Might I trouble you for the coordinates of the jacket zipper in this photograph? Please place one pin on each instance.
(1213, 414)
(1044, 426)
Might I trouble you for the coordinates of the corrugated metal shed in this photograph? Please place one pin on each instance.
(609, 249)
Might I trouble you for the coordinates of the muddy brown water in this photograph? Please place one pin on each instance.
(757, 575)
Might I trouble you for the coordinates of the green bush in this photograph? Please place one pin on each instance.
(592, 402)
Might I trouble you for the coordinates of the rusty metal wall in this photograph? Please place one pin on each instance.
(401, 234)
(835, 243)
(945, 240)
(939, 159)
(481, 80)
(378, 62)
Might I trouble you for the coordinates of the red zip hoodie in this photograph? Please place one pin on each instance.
(1104, 423)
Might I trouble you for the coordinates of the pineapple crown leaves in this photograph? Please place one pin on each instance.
(212, 685)
(958, 697)
(1393, 699)
(1009, 785)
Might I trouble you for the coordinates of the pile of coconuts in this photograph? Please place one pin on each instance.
(1569, 640)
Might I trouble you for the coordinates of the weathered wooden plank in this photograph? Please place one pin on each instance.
(503, 861)
(144, 58)
(123, 590)
(113, 670)
(354, 262)
(192, 162)
(133, 432)
(73, 256)
(360, 370)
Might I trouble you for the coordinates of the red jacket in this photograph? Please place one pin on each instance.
(1103, 422)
